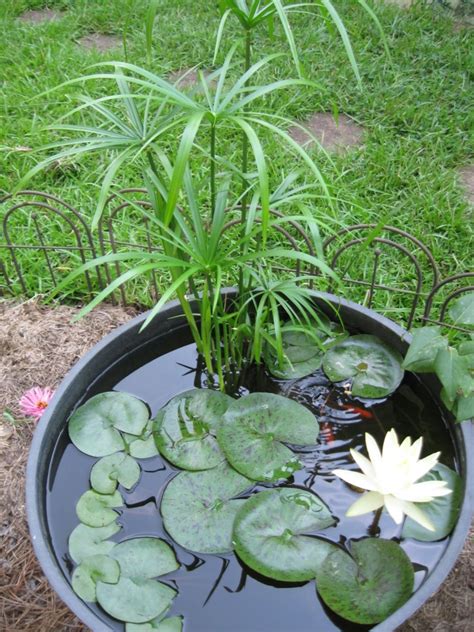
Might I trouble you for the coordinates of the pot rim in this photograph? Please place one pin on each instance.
(34, 510)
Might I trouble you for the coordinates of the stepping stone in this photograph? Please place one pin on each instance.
(466, 179)
(337, 137)
(100, 42)
(187, 77)
(41, 15)
(404, 4)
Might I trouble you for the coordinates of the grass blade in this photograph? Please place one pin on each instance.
(149, 24)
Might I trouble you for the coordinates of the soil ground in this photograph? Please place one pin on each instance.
(37, 347)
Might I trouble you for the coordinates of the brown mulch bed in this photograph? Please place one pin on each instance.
(37, 347)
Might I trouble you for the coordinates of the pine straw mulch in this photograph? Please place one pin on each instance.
(37, 347)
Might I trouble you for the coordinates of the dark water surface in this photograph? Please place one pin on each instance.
(217, 593)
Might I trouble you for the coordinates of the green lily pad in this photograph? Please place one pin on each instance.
(86, 541)
(144, 446)
(170, 624)
(94, 427)
(134, 600)
(268, 533)
(91, 570)
(144, 558)
(96, 510)
(113, 469)
(374, 368)
(253, 431)
(461, 311)
(368, 586)
(443, 511)
(185, 429)
(302, 353)
(421, 355)
(198, 508)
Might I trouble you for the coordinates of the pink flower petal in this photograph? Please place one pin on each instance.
(34, 402)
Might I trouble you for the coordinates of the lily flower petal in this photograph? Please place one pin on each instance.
(424, 466)
(415, 449)
(373, 450)
(364, 463)
(425, 491)
(414, 512)
(394, 507)
(356, 478)
(390, 445)
(406, 444)
(365, 504)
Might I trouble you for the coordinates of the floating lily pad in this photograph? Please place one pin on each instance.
(198, 508)
(302, 353)
(442, 511)
(96, 510)
(374, 368)
(91, 570)
(421, 355)
(134, 600)
(185, 429)
(113, 469)
(144, 446)
(94, 426)
(253, 431)
(86, 541)
(268, 533)
(368, 585)
(144, 558)
(170, 624)
(461, 311)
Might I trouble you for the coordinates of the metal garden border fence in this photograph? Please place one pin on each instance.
(39, 229)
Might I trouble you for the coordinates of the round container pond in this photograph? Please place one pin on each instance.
(218, 592)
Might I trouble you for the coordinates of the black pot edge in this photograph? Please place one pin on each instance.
(463, 438)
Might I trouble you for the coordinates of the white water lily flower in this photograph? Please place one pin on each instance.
(390, 477)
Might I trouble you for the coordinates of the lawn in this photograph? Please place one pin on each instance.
(415, 109)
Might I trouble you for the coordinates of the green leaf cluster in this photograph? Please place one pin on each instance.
(449, 356)
(120, 577)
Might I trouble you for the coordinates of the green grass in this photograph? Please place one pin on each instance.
(417, 112)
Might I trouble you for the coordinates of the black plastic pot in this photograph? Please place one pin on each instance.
(126, 339)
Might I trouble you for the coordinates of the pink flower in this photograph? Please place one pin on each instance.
(34, 402)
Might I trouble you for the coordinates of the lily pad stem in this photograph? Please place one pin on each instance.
(374, 529)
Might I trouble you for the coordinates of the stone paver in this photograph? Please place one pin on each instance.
(40, 15)
(334, 136)
(466, 178)
(100, 42)
(187, 77)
